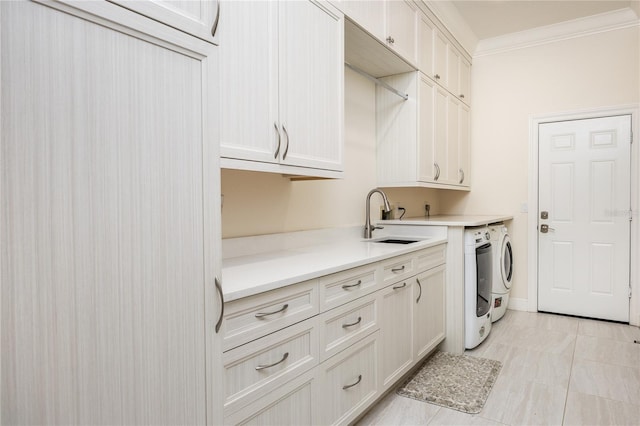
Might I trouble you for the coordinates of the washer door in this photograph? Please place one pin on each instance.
(506, 262)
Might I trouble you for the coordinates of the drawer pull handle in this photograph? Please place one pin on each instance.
(264, 314)
(396, 270)
(284, 357)
(420, 288)
(352, 285)
(345, 387)
(219, 289)
(353, 323)
(400, 286)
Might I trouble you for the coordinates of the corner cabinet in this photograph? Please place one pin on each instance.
(110, 218)
(282, 87)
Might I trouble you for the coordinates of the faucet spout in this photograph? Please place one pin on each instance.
(368, 228)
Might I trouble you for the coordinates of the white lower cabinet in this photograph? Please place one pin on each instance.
(375, 323)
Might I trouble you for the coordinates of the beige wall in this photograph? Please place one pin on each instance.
(265, 203)
(588, 72)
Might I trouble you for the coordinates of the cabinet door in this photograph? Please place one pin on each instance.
(428, 311)
(402, 28)
(453, 67)
(370, 15)
(465, 81)
(440, 135)
(451, 175)
(426, 35)
(312, 84)
(426, 160)
(109, 221)
(250, 127)
(396, 330)
(440, 49)
(195, 17)
(464, 146)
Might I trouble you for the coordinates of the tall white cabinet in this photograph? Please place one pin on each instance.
(110, 219)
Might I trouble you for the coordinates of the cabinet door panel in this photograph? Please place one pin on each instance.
(452, 175)
(429, 311)
(250, 127)
(312, 84)
(396, 323)
(402, 27)
(453, 67)
(464, 146)
(370, 15)
(465, 81)
(440, 145)
(426, 33)
(103, 224)
(426, 160)
(440, 47)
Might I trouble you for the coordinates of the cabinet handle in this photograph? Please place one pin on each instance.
(397, 269)
(352, 285)
(437, 76)
(345, 387)
(287, 148)
(219, 289)
(278, 149)
(353, 323)
(400, 286)
(214, 28)
(437, 171)
(420, 288)
(462, 174)
(461, 96)
(264, 314)
(284, 357)
(390, 40)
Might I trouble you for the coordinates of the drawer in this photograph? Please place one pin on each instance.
(340, 288)
(349, 382)
(341, 327)
(431, 257)
(261, 366)
(252, 317)
(291, 404)
(397, 268)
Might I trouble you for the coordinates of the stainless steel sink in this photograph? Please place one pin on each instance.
(396, 241)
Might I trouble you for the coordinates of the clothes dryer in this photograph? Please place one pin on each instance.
(478, 276)
(502, 270)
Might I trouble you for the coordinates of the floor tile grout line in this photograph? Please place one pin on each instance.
(566, 396)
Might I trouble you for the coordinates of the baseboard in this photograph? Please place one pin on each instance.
(518, 304)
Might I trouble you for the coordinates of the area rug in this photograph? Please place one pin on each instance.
(460, 382)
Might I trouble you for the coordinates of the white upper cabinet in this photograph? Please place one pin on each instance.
(465, 81)
(282, 84)
(196, 17)
(402, 29)
(440, 62)
(370, 15)
(110, 219)
(426, 34)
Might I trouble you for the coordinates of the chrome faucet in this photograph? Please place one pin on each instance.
(368, 228)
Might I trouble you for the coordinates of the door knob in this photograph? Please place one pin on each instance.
(545, 229)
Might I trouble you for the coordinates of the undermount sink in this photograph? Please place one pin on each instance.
(396, 240)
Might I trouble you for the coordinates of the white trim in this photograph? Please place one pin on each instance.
(532, 226)
(603, 22)
(518, 304)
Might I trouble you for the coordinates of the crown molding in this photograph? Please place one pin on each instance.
(603, 22)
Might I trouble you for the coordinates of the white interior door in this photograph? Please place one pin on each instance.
(584, 186)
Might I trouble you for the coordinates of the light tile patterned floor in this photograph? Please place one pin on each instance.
(556, 370)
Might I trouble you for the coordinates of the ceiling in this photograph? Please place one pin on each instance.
(494, 18)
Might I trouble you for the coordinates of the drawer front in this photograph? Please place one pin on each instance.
(349, 382)
(338, 289)
(431, 257)
(259, 367)
(341, 327)
(397, 269)
(252, 317)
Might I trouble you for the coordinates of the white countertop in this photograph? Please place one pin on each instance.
(450, 220)
(283, 259)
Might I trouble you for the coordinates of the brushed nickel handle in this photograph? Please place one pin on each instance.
(437, 171)
(345, 387)
(278, 149)
(390, 40)
(219, 289)
(462, 96)
(437, 76)
(352, 285)
(397, 269)
(214, 28)
(287, 148)
(262, 366)
(400, 286)
(419, 287)
(358, 321)
(544, 228)
(462, 173)
(264, 314)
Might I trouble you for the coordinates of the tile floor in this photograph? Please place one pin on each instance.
(556, 370)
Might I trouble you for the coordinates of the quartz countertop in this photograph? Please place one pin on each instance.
(278, 260)
(450, 220)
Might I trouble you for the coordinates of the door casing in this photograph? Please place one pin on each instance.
(532, 225)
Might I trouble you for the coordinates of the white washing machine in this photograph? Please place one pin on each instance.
(478, 277)
(502, 270)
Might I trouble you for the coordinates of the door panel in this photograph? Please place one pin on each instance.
(585, 188)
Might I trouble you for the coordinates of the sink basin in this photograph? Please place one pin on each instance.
(395, 239)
